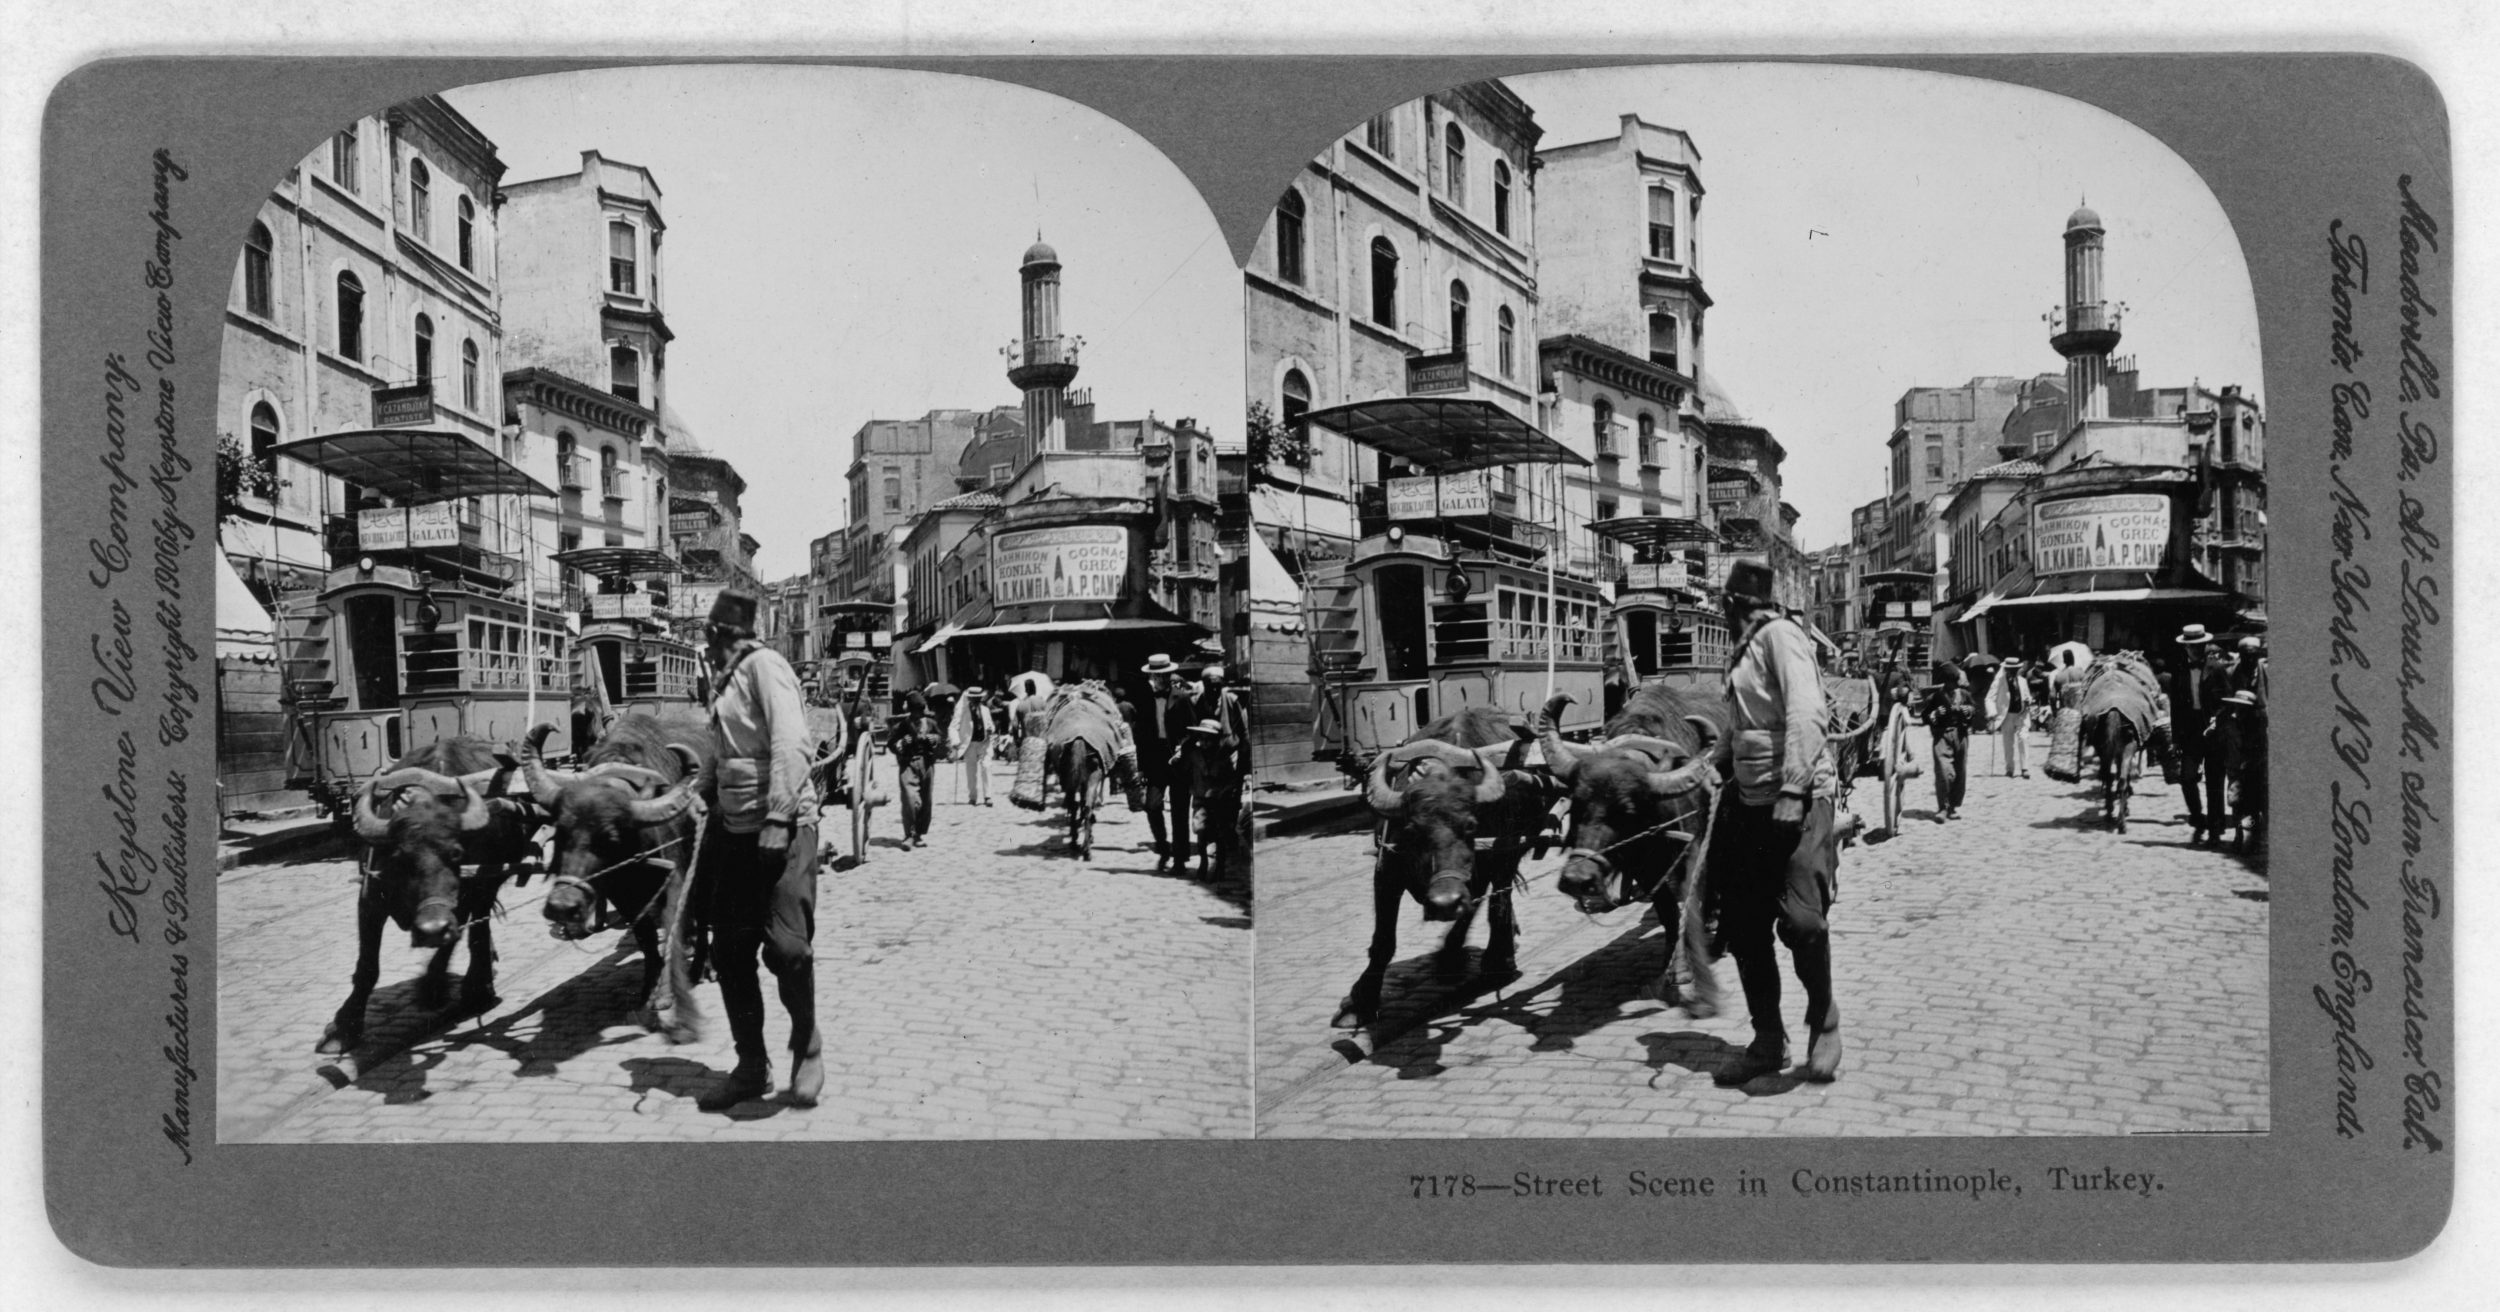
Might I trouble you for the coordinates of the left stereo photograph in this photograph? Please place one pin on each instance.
(723, 622)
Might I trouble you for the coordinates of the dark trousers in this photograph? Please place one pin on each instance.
(2200, 775)
(760, 907)
(1771, 880)
(1952, 756)
(914, 783)
(1167, 795)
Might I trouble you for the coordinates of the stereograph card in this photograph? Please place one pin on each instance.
(1251, 557)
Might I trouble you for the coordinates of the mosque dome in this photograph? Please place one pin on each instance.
(1040, 253)
(2083, 217)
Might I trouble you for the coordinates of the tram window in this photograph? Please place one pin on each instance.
(1401, 613)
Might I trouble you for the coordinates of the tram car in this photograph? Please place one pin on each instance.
(1667, 622)
(629, 658)
(423, 627)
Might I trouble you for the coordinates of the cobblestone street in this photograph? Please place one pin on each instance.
(986, 986)
(2019, 971)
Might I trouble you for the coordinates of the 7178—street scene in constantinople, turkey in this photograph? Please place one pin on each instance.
(727, 623)
(1757, 618)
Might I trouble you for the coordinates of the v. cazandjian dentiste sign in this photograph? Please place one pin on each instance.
(2080, 534)
(1083, 562)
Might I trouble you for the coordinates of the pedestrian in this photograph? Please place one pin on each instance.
(1773, 851)
(2009, 705)
(916, 742)
(968, 737)
(2249, 676)
(1950, 711)
(1218, 702)
(1162, 717)
(2198, 684)
(759, 854)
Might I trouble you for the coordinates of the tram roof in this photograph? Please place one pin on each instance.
(414, 465)
(1899, 576)
(1445, 435)
(616, 562)
(1659, 532)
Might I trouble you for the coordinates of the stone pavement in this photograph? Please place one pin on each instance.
(986, 986)
(2019, 971)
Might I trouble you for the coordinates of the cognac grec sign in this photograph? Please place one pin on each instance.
(2083, 534)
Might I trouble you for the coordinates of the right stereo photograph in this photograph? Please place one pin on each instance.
(1756, 618)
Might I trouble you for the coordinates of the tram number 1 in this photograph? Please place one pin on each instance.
(1443, 1186)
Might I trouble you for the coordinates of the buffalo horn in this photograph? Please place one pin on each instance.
(664, 808)
(1705, 733)
(1658, 749)
(1377, 792)
(1683, 779)
(545, 784)
(643, 777)
(1560, 757)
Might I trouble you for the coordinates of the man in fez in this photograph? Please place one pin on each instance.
(759, 854)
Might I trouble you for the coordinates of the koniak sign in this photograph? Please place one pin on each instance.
(2080, 534)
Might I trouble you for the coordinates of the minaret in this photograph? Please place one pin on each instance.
(2086, 330)
(1043, 363)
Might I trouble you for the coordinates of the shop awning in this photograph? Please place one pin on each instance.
(1444, 435)
(616, 562)
(414, 465)
(243, 624)
(1981, 607)
(2119, 595)
(1275, 599)
(1656, 532)
(1099, 625)
(971, 615)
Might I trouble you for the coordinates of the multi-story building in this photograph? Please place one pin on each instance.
(1402, 261)
(587, 408)
(707, 534)
(899, 467)
(1940, 437)
(370, 272)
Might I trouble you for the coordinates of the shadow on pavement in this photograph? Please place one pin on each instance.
(389, 1065)
(397, 1019)
(1708, 1054)
(680, 1077)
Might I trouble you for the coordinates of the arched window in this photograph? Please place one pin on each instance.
(421, 201)
(257, 248)
(567, 473)
(1507, 330)
(351, 308)
(1458, 316)
(1384, 283)
(1454, 165)
(608, 484)
(468, 375)
(1289, 213)
(625, 373)
(621, 273)
(425, 349)
(1648, 426)
(1501, 197)
(1605, 427)
(1662, 334)
(1296, 395)
(265, 439)
(468, 234)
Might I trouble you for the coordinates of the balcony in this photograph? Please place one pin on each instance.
(1042, 361)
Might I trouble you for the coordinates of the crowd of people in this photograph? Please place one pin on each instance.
(2208, 720)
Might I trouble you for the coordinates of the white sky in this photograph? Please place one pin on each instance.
(1945, 199)
(842, 246)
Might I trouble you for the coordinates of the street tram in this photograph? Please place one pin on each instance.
(1899, 607)
(1451, 598)
(629, 658)
(424, 626)
(1667, 619)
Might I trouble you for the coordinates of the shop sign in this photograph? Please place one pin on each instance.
(620, 606)
(1428, 374)
(401, 527)
(2081, 534)
(1439, 498)
(396, 406)
(1085, 562)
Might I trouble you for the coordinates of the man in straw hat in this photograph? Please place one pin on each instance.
(1773, 852)
(2200, 681)
(1164, 715)
(759, 854)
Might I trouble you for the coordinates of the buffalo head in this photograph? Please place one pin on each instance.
(1632, 795)
(1432, 817)
(417, 823)
(603, 818)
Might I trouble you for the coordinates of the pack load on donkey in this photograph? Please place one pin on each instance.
(2121, 683)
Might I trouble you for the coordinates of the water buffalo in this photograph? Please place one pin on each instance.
(421, 821)
(1640, 802)
(621, 822)
(1451, 829)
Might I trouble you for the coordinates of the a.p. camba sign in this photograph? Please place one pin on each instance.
(2081, 534)
(1084, 562)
